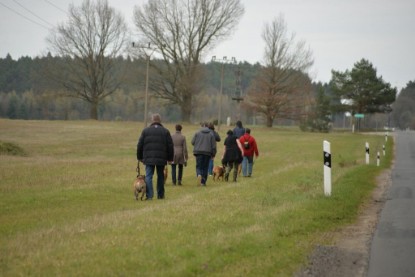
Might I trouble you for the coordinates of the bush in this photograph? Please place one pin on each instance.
(8, 148)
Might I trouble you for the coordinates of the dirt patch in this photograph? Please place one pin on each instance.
(349, 256)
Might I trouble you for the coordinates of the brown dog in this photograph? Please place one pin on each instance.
(218, 172)
(139, 185)
(166, 172)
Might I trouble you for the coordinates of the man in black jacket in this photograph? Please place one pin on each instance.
(155, 149)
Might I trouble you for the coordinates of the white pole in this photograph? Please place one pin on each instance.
(384, 152)
(367, 152)
(378, 159)
(327, 168)
(386, 136)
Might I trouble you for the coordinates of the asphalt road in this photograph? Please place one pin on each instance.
(393, 247)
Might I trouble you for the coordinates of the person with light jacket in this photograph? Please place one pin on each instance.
(180, 155)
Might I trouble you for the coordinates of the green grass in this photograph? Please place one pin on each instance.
(67, 206)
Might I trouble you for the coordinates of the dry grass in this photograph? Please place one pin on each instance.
(67, 208)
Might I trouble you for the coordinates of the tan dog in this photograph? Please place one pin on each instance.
(139, 185)
(218, 172)
(166, 172)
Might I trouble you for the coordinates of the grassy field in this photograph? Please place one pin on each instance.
(67, 206)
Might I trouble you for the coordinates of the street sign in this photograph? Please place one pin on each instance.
(359, 115)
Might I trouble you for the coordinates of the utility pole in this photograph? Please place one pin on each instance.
(238, 92)
(223, 61)
(148, 51)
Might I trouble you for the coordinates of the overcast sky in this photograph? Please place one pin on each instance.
(339, 32)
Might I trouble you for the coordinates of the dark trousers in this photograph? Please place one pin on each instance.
(160, 181)
(202, 165)
(173, 173)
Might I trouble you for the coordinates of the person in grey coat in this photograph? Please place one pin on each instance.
(155, 149)
(204, 149)
(180, 155)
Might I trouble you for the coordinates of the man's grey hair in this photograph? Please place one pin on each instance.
(156, 117)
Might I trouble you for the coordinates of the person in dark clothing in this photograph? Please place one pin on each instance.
(204, 149)
(155, 149)
(180, 155)
(211, 126)
(232, 155)
(239, 130)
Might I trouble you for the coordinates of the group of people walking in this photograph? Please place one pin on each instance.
(156, 148)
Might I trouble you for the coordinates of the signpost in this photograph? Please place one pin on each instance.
(327, 167)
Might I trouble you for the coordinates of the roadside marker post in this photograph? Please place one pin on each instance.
(327, 167)
(386, 136)
(384, 152)
(367, 152)
(378, 159)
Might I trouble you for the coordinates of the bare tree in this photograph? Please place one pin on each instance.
(281, 88)
(182, 31)
(93, 36)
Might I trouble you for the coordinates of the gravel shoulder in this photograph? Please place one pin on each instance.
(349, 254)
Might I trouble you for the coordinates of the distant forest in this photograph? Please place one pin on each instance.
(27, 92)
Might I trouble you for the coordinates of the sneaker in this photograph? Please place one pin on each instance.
(180, 183)
(199, 180)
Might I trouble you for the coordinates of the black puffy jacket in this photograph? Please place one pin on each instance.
(155, 146)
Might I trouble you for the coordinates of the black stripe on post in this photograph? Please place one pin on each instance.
(327, 159)
(367, 150)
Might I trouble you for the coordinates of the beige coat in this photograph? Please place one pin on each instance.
(180, 148)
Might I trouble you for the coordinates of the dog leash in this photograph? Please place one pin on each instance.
(138, 169)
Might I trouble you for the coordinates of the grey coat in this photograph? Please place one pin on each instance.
(204, 143)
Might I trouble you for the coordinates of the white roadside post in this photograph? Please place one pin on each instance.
(367, 152)
(386, 136)
(384, 152)
(327, 168)
(378, 159)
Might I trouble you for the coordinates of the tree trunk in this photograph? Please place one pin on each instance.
(93, 113)
(186, 108)
(270, 120)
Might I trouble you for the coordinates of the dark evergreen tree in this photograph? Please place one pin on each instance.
(403, 113)
(364, 91)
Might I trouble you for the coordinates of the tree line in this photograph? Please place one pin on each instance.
(108, 75)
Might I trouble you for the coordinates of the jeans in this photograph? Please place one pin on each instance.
(210, 170)
(202, 165)
(160, 181)
(173, 173)
(247, 164)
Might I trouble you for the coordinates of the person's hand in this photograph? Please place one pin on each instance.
(185, 163)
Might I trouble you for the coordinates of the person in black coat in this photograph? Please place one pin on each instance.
(155, 149)
(232, 155)
(211, 126)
